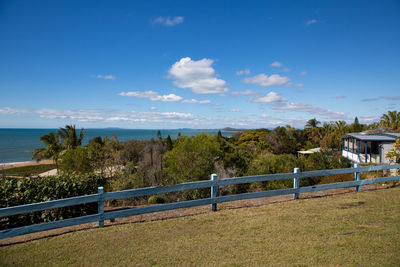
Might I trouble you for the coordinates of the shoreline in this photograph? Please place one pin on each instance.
(11, 165)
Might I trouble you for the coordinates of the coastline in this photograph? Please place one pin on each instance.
(11, 165)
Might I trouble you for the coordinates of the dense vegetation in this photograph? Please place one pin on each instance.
(163, 161)
(14, 192)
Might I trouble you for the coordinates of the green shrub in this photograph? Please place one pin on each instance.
(156, 200)
(21, 191)
(76, 160)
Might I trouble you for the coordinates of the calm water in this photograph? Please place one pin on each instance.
(16, 144)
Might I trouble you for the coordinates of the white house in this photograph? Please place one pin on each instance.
(365, 147)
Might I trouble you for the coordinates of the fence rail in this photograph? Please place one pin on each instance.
(213, 184)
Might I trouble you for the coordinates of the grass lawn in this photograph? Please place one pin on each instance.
(29, 170)
(356, 229)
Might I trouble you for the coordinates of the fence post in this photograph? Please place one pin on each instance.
(214, 190)
(296, 183)
(357, 178)
(100, 191)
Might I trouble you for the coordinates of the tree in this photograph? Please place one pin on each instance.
(391, 120)
(314, 132)
(76, 160)
(193, 158)
(69, 138)
(340, 127)
(219, 135)
(52, 151)
(159, 135)
(394, 154)
(312, 123)
(169, 143)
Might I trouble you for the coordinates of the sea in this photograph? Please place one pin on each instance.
(16, 145)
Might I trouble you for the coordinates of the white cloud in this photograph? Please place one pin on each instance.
(10, 111)
(312, 21)
(154, 96)
(264, 80)
(286, 70)
(234, 110)
(299, 85)
(153, 108)
(241, 72)
(106, 77)
(304, 73)
(276, 64)
(177, 115)
(269, 98)
(368, 119)
(168, 21)
(195, 101)
(107, 116)
(381, 98)
(247, 92)
(301, 107)
(198, 75)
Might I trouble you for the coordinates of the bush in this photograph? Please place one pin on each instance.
(269, 164)
(156, 200)
(14, 192)
(76, 160)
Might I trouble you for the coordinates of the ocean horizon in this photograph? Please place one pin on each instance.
(16, 144)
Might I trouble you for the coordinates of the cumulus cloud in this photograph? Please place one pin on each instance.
(301, 107)
(154, 96)
(241, 72)
(311, 21)
(276, 64)
(264, 80)
(271, 97)
(106, 77)
(247, 92)
(168, 21)
(198, 75)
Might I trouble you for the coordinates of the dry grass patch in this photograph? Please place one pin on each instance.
(357, 229)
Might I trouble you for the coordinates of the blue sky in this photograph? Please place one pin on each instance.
(197, 64)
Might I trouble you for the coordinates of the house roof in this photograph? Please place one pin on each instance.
(382, 137)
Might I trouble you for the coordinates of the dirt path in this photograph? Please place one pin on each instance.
(184, 212)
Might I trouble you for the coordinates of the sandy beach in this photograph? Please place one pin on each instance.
(27, 163)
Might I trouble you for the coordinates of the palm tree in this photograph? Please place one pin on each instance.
(327, 128)
(312, 123)
(69, 138)
(52, 151)
(340, 127)
(391, 120)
